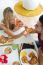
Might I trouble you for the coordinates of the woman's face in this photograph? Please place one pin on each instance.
(18, 23)
(8, 16)
(38, 27)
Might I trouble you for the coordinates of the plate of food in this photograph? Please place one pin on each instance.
(5, 40)
(8, 56)
(28, 57)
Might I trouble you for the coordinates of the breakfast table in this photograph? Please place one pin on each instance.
(21, 40)
(15, 45)
(14, 56)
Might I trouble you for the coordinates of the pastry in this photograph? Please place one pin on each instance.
(8, 50)
(15, 63)
(31, 54)
(3, 39)
(33, 58)
(24, 59)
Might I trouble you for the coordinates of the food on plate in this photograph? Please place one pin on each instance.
(30, 30)
(3, 59)
(29, 58)
(24, 59)
(33, 58)
(31, 55)
(8, 50)
(2, 39)
(23, 53)
(15, 63)
(5, 39)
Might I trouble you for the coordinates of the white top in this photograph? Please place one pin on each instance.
(19, 31)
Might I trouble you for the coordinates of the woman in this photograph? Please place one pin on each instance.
(10, 24)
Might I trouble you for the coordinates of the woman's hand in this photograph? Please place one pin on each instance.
(25, 33)
(28, 31)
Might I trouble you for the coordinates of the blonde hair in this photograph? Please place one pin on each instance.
(6, 10)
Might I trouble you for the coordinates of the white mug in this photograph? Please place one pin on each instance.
(30, 4)
(41, 2)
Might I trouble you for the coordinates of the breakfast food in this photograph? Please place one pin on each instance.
(15, 63)
(33, 58)
(24, 53)
(31, 54)
(24, 59)
(3, 39)
(30, 30)
(29, 58)
(8, 50)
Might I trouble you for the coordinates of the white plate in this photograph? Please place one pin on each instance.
(13, 56)
(28, 51)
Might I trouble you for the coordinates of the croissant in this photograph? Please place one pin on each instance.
(5, 39)
(30, 30)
